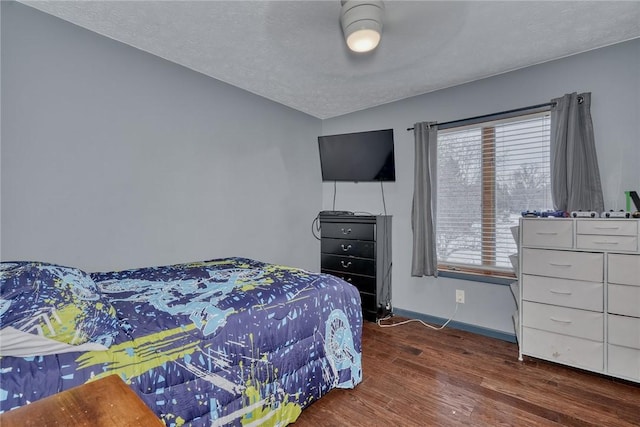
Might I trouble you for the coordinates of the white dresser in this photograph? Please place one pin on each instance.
(580, 293)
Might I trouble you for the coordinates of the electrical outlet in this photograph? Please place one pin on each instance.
(459, 296)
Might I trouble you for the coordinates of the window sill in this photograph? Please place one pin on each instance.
(504, 281)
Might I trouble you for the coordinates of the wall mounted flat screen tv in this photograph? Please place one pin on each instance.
(358, 157)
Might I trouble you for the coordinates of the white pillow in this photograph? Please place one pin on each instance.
(14, 342)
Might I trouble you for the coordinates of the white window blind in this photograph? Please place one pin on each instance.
(488, 173)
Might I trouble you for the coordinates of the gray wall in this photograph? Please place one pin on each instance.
(113, 158)
(610, 74)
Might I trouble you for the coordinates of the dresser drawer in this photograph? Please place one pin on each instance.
(369, 302)
(348, 230)
(624, 300)
(568, 321)
(552, 233)
(357, 248)
(608, 227)
(365, 284)
(563, 349)
(624, 269)
(369, 307)
(346, 264)
(624, 331)
(607, 243)
(568, 265)
(564, 292)
(623, 361)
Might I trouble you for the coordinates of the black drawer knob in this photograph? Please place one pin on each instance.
(347, 231)
(345, 264)
(345, 248)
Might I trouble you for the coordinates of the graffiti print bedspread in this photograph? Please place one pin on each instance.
(224, 342)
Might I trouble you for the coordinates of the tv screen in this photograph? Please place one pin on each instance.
(358, 157)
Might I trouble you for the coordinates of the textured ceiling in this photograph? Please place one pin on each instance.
(293, 52)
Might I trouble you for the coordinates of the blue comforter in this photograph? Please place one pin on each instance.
(224, 342)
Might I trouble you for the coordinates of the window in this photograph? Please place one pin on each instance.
(488, 173)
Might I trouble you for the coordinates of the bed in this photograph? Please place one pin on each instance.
(229, 341)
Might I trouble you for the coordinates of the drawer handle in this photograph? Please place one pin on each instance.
(345, 248)
(547, 233)
(605, 243)
(347, 279)
(345, 265)
(347, 231)
(560, 320)
(559, 265)
(553, 291)
(607, 228)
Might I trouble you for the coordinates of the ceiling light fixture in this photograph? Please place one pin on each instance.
(361, 24)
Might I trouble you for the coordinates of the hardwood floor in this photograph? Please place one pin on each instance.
(414, 376)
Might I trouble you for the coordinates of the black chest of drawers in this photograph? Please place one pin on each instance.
(357, 248)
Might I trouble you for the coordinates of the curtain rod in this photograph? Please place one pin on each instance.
(469, 120)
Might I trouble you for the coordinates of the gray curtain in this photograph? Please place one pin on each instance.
(423, 213)
(575, 178)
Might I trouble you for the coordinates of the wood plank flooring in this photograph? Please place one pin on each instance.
(415, 376)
